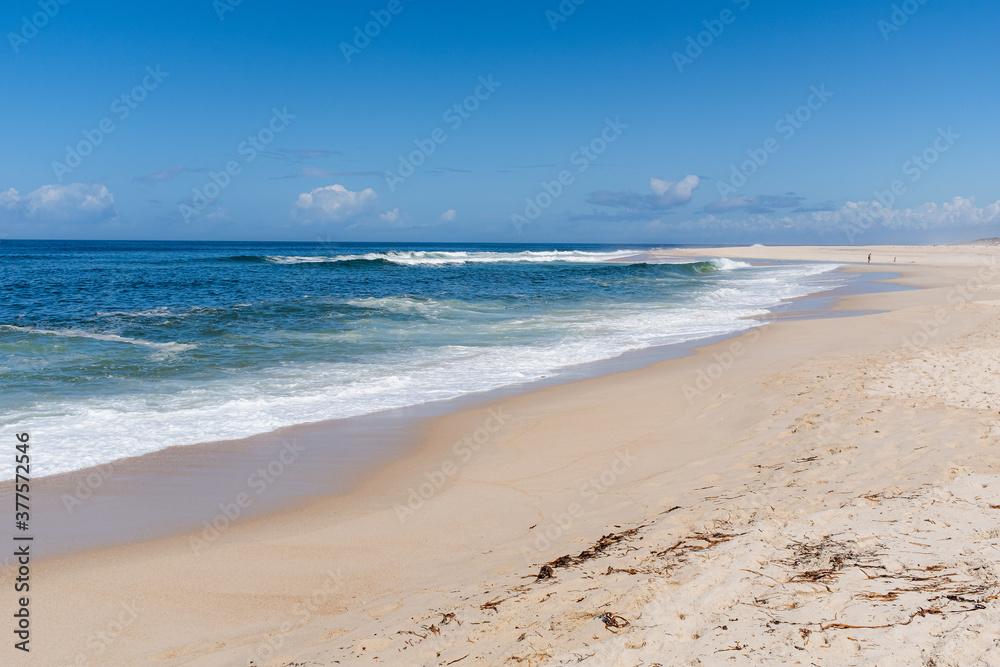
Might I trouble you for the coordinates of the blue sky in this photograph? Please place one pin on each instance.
(594, 122)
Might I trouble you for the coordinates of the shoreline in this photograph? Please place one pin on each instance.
(126, 500)
(339, 579)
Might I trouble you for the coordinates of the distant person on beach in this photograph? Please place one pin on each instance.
(869, 258)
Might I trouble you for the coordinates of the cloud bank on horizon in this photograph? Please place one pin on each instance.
(778, 126)
(79, 203)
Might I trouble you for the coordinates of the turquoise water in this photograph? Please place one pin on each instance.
(113, 349)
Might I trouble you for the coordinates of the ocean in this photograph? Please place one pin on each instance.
(115, 349)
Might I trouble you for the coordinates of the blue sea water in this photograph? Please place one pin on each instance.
(114, 349)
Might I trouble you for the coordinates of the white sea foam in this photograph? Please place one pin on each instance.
(424, 306)
(178, 415)
(97, 429)
(724, 264)
(421, 257)
(112, 338)
(162, 311)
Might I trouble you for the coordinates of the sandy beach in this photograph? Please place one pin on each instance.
(814, 491)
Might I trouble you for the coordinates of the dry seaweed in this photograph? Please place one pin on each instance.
(492, 604)
(599, 549)
(694, 541)
(612, 620)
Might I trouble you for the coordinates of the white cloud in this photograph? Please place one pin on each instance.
(959, 212)
(670, 193)
(449, 215)
(164, 175)
(334, 203)
(756, 203)
(391, 216)
(9, 199)
(315, 172)
(220, 213)
(855, 218)
(73, 202)
(665, 195)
